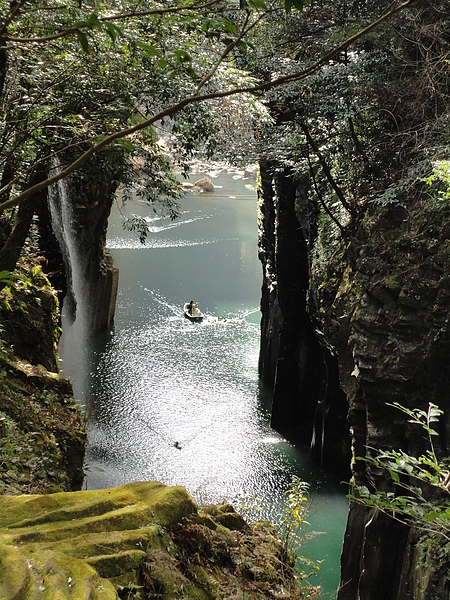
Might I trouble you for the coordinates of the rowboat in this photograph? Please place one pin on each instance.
(196, 315)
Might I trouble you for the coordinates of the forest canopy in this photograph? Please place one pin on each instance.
(325, 87)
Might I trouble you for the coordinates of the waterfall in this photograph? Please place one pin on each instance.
(74, 338)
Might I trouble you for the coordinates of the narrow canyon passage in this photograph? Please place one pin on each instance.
(181, 402)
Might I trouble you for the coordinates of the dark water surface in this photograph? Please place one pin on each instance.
(181, 402)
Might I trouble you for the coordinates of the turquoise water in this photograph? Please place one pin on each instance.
(181, 402)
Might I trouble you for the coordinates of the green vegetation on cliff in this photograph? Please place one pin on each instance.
(42, 435)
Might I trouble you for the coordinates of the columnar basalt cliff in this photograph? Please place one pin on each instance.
(295, 360)
(382, 314)
(388, 315)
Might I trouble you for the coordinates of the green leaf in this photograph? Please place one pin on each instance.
(83, 40)
(125, 143)
(8, 278)
(183, 56)
(93, 21)
(150, 49)
(112, 31)
(259, 4)
(432, 515)
(191, 72)
(229, 26)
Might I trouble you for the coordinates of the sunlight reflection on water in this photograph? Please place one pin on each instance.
(194, 385)
(181, 402)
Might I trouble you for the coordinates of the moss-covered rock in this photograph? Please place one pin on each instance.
(29, 315)
(42, 435)
(141, 540)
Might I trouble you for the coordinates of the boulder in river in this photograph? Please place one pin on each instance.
(204, 184)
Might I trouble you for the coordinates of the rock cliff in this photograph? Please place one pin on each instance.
(296, 361)
(42, 433)
(388, 314)
(73, 238)
(381, 317)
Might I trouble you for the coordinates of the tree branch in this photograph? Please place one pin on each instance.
(225, 53)
(175, 108)
(321, 200)
(120, 17)
(326, 169)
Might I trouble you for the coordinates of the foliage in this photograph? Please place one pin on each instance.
(439, 180)
(166, 64)
(289, 527)
(296, 510)
(292, 524)
(366, 126)
(8, 278)
(425, 479)
(40, 432)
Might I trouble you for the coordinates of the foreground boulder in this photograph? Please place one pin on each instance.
(141, 540)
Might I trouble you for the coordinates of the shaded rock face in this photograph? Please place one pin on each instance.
(382, 320)
(388, 315)
(295, 360)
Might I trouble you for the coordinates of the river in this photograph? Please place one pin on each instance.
(181, 402)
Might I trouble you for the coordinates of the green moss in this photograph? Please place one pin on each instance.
(119, 508)
(14, 573)
(114, 565)
(76, 542)
(139, 540)
(41, 432)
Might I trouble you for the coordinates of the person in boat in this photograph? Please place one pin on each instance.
(191, 307)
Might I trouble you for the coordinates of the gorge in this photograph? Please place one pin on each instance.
(384, 310)
(345, 106)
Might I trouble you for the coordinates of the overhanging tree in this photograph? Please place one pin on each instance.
(155, 66)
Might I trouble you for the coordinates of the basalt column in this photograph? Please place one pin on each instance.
(308, 407)
(388, 317)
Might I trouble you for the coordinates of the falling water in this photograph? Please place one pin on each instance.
(74, 310)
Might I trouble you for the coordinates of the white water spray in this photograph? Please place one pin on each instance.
(73, 343)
